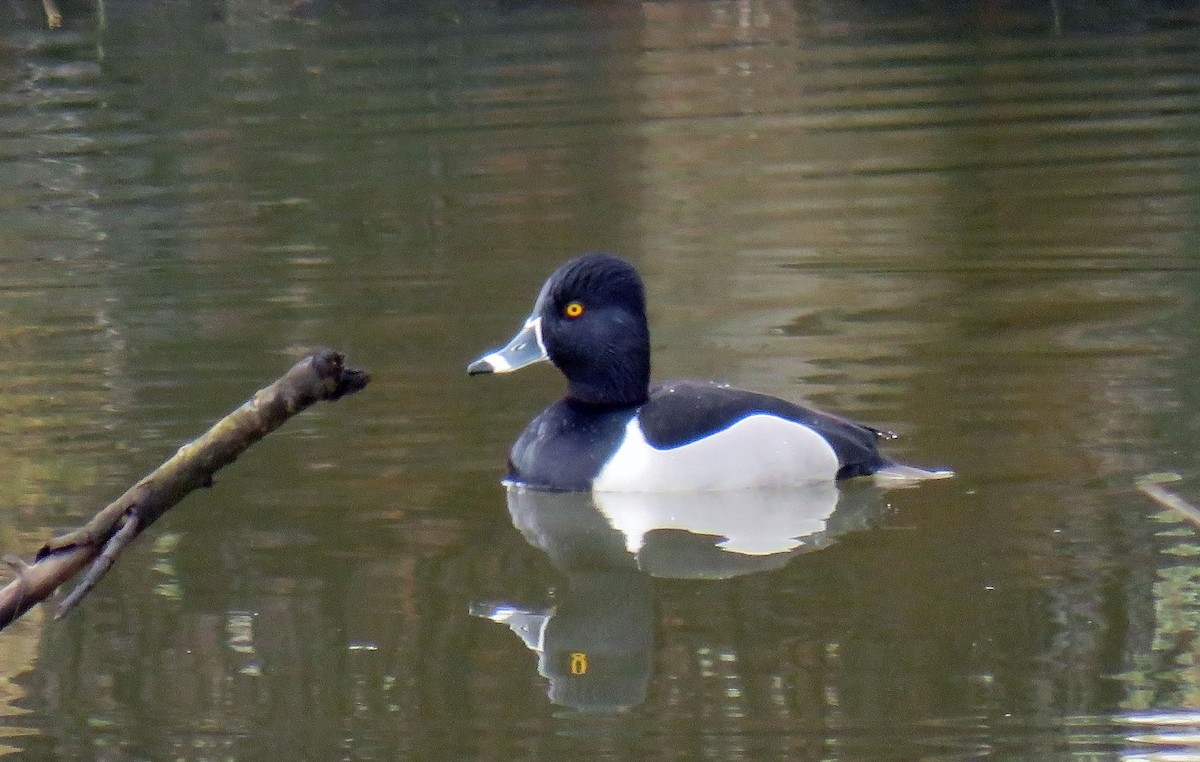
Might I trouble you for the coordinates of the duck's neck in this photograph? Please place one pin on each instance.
(622, 384)
(605, 399)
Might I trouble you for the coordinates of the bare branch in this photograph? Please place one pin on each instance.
(320, 376)
(120, 539)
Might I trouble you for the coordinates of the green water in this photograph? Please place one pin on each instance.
(978, 229)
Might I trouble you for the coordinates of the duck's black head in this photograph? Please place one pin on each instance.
(590, 321)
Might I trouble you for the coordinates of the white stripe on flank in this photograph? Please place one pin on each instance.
(758, 451)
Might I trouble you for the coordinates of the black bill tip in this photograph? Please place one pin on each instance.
(479, 367)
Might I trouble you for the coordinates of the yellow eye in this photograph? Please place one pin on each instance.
(573, 310)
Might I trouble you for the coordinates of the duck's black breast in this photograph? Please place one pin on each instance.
(681, 412)
(566, 445)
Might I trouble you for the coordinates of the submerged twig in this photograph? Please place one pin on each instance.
(1151, 486)
(54, 17)
(320, 376)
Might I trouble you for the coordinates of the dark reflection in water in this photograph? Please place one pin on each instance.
(974, 225)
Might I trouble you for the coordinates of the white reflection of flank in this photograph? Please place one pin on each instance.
(754, 522)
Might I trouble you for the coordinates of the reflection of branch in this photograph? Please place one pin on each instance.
(320, 376)
(53, 14)
(1151, 486)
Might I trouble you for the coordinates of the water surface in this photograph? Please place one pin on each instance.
(975, 229)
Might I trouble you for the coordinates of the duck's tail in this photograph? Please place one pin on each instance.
(900, 475)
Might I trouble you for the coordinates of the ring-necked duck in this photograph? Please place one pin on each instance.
(614, 432)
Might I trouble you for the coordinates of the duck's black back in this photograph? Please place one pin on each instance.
(680, 412)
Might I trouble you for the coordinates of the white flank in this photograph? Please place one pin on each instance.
(757, 451)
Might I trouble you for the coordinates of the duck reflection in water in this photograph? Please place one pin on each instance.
(595, 645)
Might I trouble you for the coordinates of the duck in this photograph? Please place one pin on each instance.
(615, 431)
